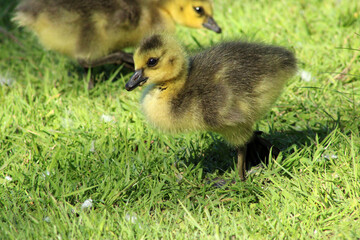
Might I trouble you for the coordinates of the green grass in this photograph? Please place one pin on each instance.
(62, 144)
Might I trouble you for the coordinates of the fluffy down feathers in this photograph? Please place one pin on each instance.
(225, 89)
(91, 29)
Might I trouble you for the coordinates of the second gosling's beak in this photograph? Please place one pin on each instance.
(212, 25)
(136, 79)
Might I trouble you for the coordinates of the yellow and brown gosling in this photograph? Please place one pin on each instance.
(95, 31)
(224, 89)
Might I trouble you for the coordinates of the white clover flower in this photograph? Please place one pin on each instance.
(92, 146)
(8, 178)
(46, 173)
(87, 204)
(6, 81)
(305, 76)
(106, 118)
(131, 218)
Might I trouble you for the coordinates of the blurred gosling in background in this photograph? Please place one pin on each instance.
(95, 31)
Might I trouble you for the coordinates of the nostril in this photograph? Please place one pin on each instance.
(136, 76)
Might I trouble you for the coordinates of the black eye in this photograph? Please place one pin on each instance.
(199, 10)
(152, 62)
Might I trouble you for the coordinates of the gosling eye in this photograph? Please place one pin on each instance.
(152, 62)
(199, 10)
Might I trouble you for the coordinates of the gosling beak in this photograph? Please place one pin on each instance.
(212, 25)
(137, 79)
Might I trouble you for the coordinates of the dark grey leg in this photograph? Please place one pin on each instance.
(113, 58)
(241, 164)
(91, 82)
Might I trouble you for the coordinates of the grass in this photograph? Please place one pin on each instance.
(61, 144)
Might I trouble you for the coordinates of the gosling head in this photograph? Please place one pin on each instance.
(158, 59)
(194, 13)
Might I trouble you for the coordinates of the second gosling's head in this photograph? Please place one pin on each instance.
(194, 13)
(158, 59)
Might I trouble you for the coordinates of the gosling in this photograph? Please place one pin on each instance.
(94, 31)
(224, 89)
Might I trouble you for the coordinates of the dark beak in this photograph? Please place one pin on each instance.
(212, 25)
(136, 80)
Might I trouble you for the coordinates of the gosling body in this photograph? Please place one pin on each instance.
(92, 29)
(224, 89)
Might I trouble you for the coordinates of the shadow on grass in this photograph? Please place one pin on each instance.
(220, 157)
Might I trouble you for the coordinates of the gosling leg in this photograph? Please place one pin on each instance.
(113, 58)
(91, 82)
(241, 164)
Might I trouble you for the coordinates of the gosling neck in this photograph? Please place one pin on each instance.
(176, 83)
(170, 8)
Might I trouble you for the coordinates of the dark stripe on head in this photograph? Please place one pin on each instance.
(151, 43)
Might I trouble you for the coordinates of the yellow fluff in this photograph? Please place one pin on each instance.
(91, 29)
(224, 89)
